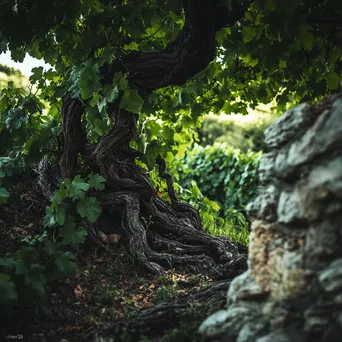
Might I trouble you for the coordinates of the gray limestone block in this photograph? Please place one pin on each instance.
(322, 243)
(266, 167)
(318, 317)
(288, 125)
(324, 136)
(275, 336)
(244, 287)
(264, 205)
(330, 278)
(230, 321)
(289, 207)
(214, 324)
(325, 181)
(251, 331)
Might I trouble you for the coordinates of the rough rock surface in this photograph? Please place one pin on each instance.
(292, 290)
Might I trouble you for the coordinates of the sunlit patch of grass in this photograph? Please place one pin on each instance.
(234, 225)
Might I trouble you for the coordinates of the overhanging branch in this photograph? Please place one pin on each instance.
(192, 50)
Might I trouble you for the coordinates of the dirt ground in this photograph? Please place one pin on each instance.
(107, 286)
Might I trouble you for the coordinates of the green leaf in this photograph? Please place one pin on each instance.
(60, 213)
(58, 196)
(282, 64)
(213, 205)
(112, 94)
(152, 151)
(8, 262)
(100, 102)
(65, 263)
(250, 61)
(332, 79)
(49, 219)
(95, 99)
(16, 118)
(249, 16)
(195, 191)
(77, 188)
(7, 289)
(96, 181)
(37, 74)
(18, 55)
(307, 37)
(92, 114)
(74, 238)
(131, 46)
(89, 79)
(131, 101)
(90, 208)
(100, 127)
(72, 235)
(35, 278)
(3, 193)
(248, 33)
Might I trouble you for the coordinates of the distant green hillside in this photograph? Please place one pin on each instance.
(8, 74)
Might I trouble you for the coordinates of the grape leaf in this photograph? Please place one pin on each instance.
(89, 79)
(65, 263)
(112, 94)
(96, 181)
(60, 213)
(332, 80)
(16, 118)
(58, 196)
(3, 193)
(90, 208)
(35, 278)
(72, 235)
(37, 74)
(131, 101)
(77, 188)
(49, 219)
(74, 238)
(7, 289)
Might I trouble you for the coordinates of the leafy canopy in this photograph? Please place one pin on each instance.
(290, 50)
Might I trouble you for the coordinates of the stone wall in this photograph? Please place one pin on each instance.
(292, 290)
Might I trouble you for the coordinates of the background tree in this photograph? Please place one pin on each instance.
(120, 66)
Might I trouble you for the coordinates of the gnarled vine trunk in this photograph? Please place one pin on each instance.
(175, 235)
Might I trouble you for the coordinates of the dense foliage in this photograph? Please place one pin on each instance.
(290, 50)
(130, 82)
(223, 174)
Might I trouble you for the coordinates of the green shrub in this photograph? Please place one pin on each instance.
(223, 174)
(45, 257)
(234, 224)
(218, 181)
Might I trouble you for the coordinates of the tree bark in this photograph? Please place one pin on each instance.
(191, 52)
